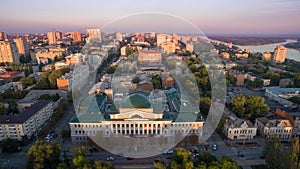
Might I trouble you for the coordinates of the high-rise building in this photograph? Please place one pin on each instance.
(53, 37)
(58, 35)
(119, 36)
(94, 34)
(279, 54)
(2, 36)
(267, 56)
(22, 45)
(76, 36)
(9, 52)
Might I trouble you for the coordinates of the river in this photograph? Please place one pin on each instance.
(290, 54)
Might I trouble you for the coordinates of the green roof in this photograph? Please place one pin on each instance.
(89, 110)
(136, 101)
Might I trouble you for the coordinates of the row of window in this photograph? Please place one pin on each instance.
(138, 125)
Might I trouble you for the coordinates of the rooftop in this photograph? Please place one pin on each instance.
(26, 114)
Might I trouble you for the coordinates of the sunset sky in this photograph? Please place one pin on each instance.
(215, 16)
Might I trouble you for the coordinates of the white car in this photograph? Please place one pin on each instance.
(169, 152)
(214, 147)
(110, 158)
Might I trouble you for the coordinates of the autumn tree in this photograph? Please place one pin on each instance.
(43, 155)
(182, 159)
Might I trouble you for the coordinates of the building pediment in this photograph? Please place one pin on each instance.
(136, 114)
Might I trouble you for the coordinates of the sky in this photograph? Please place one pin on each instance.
(209, 16)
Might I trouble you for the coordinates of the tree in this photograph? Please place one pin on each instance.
(112, 69)
(238, 104)
(205, 105)
(2, 109)
(295, 99)
(43, 155)
(12, 107)
(102, 165)
(230, 80)
(135, 80)
(156, 81)
(250, 107)
(28, 81)
(10, 146)
(256, 107)
(274, 77)
(256, 83)
(159, 164)
(206, 158)
(293, 154)
(182, 159)
(297, 80)
(274, 154)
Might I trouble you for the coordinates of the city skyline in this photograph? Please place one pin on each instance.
(218, 17)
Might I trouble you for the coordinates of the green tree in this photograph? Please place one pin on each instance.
(207, 159)
(274, 77)
(256, 107)
(135, 80)
(255, 84)
(156, 81)
(297, 80)
(102, 165)
(43, 155)
(295, 99)
(230, 80)
(10, 145)
(2, 109)
(181, 159)
(205, 105)
(294, 153)
(238, 103)
(275, 156)
(28, 81)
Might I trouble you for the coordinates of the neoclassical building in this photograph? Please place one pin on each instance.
(137, 116)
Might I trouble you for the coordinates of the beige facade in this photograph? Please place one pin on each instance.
(22, 45)
(279, 54)
(94, 34)
(236, 129)
(9, 52)
(28, 123)
(51, 38)
(267, 56)
(149, 56)
(76, 36)
(280, 128)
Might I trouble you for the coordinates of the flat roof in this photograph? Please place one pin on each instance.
(25, 115)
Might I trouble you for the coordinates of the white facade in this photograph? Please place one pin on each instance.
(279, 128)
(236, 129)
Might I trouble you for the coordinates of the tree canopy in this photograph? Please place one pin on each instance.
(249, 107)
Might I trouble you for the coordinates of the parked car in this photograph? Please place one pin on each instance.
(110, 158)
(169, 152)
(214, 147)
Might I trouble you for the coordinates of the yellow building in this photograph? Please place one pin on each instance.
(22, 45)
(9, 52)
(51, 38)
(279, 54)
(48, 54)
(2, 36)
(76, 36)
(267, 56)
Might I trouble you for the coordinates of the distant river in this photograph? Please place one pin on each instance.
(290, 54)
